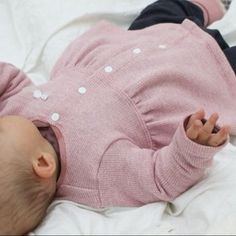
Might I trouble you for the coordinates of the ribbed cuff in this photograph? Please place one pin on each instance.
(189, 147)
(213, 10)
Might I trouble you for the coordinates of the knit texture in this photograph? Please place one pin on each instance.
(121, 99)
(213, 10)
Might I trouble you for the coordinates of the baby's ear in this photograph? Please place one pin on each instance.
(44, 165)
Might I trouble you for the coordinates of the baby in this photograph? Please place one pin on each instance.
(119, 123)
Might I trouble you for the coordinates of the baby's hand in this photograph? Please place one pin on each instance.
(206, 132)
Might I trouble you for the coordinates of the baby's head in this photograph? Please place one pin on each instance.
(28, 172)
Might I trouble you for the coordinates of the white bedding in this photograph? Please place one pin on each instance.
(33, 34)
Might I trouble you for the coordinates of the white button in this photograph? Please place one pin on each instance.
(108, 69)
(82, 90)
(37, 93)
(44, 96)
(162, 46)
(55, 116)
(137, 50)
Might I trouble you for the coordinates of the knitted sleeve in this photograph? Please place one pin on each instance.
(12, 80)
(131, 176)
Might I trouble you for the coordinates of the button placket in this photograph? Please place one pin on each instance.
(44, 96)
(55, 116)
(82, 90)
(162, 46)
(37, 93)
(136, 50)
(108, 69)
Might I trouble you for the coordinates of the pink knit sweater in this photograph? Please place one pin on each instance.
(117, 101)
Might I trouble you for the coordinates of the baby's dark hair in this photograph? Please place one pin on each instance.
(24, 198)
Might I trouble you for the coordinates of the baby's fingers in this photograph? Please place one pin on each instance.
(193, 131)
(196, 116)
(220, 137)
(210, 124)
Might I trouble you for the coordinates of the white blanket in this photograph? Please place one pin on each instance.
(33, 34)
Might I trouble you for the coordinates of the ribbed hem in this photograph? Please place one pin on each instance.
(188, 146)
(213, 10)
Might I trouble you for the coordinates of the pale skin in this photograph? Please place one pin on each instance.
(22, 135)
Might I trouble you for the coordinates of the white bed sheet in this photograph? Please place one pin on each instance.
(33, 34)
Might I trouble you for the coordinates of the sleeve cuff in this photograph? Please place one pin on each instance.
(186, 145)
